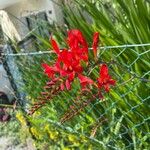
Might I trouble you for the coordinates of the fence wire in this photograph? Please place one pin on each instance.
(120, 121)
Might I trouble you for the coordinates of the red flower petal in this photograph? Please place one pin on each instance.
(104, 81)
(75, 38)
(84, 81)
(55, 46)
(78, 44)
(71, 76)
(112, 82)
(50, 70)
(47, 70)
(103, 71)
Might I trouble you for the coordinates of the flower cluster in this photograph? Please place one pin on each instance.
(69, 63)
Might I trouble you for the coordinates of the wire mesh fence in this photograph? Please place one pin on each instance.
(119, 121)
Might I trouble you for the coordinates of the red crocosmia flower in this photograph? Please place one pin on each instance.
(76, 39)
(78, 44)
(76, 66)
(84, 81)
(69, 63)
(95, 43)
(48, 70)
(66, 58)
(105, 80)
(55, 46)
(71, 76)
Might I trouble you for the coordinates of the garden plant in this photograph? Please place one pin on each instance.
(90, 93)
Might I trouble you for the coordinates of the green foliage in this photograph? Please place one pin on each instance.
(14, 133)
(120, 121)
(119, 22)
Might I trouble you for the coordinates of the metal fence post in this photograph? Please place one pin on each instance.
(13, 72)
